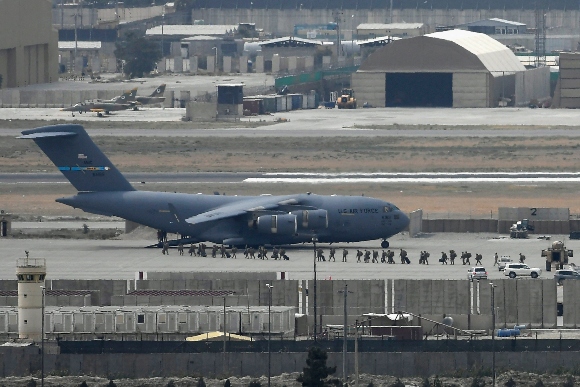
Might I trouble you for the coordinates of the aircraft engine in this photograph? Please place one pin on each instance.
(312, 219)
(277, 224)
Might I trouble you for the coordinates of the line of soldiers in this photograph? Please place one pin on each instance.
(465, 258)
(277, 253)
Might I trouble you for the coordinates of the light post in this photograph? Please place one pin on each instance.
(269, 331)
(215, 61)
(42, 339)
(493, 332)
(224, 349)
(314, 240)
(344, 341)
(162, 34)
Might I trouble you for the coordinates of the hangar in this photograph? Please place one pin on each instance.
(455, 68)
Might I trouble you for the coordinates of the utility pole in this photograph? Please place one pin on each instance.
(269, 332)
(356, 353)
(225, 368)
(345, 334)
(314, 240)
(493, 332)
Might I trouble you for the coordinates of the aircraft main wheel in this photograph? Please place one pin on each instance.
(385, 244)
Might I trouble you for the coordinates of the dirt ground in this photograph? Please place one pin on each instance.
(340, 154)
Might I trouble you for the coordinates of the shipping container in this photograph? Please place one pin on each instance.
(281, 103)
(253, 107)
(269, 102)
(296, 101)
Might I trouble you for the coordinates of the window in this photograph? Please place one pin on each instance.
(140, 319)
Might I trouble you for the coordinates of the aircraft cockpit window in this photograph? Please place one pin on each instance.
(388, 209)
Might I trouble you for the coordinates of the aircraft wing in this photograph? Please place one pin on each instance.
(231, 210)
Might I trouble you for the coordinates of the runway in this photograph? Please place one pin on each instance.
(313, 178)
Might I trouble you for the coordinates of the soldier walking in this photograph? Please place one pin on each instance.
(452, 256)
(522, 258)
(331, 254)
(344, 254)
(191, 250)
(443, 258)
(234, 251)
(426, 256)
(359, 254)
(252, 251)
(283, 255)
(495, 257)
(478, 258)
(165, 249)
(390, 256)
(375, 256)
(367, 257)
(180, 248)
(384, 257)
(223, 251)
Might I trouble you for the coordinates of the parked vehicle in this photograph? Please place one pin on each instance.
(476, 273)
(502, 261)
(513, 270)
(561, 275)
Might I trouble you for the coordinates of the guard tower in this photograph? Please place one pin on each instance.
(30, 273)
(230, 101)
(5, 223)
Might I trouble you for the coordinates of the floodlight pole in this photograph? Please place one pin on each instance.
(493, 332)
(224, 355)
(42, 339)
(269, 331)
(314, 240)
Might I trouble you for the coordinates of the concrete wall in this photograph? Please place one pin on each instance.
(519, 213)
(369, 88)
(28, 44)
(13, 98)
(569, 81)
(532, 84)
(26, 361)
(416, 222)
(281, 22)
(460, 225)
(471, 90)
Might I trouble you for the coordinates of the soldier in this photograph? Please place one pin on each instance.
(275, 253)
(522, 258)
(223, 251)
(180, 248)
(359, 254)
(246, 252)
(165, 249)
(331, 254)
(375, 256)
(403, 255)
(367, 256)
(426, 256)
(421, 257)
(344, 254)
(159, 236)
(252, 251)
(390, 256)
(320, 255)
(478, 258)
(495, 257)
(214, 250)
(264, 252)
(234, 251)
(191, 250)
(384, 257)
(283, 255)
(452, 256)
(443, 258)
(465, 257)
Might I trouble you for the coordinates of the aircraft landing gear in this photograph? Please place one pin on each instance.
(99, 114)
(385, 244)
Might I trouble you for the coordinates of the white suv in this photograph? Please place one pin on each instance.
(476, 273)
(515, 269)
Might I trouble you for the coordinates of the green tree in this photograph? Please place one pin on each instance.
(140, 55)
(398, 383)
(510, 383)
(316, 371)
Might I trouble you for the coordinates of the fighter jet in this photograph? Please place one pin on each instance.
(155, 97)
(100, 107)
(231, 220)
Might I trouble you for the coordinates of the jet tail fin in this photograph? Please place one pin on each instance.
(159, 91)
(79, 159)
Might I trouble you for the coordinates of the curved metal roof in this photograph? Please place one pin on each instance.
(447, 51)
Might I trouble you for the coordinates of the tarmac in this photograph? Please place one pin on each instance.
(124, 258)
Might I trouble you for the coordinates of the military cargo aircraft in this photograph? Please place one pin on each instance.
(116, 104)
(231, 220)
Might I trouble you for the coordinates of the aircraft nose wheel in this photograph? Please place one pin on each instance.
(385, 244)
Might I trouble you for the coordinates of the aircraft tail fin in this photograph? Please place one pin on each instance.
(127, 96)
(79, 159)
(159, 91)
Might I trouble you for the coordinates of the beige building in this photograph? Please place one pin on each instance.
(28, 44)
